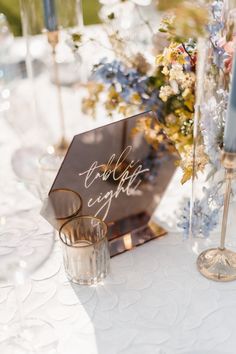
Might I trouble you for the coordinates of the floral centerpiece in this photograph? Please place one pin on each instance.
(165, 82)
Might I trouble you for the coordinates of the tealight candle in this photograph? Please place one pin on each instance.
(128, 241)
(230, 123)
(50, 19)
(85, 249)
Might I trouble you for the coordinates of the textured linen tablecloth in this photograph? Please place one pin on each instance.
(153, 301)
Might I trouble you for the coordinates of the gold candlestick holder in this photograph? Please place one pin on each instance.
(62, 146)
(220, 263)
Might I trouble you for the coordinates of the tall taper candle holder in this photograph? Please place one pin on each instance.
(62, 146)
(56, 20)
(220, 263)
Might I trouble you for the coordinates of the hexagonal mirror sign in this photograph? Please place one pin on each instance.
(118, 173)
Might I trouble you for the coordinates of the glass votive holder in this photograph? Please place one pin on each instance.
(85, 250)
(49, 165)
(63, 205)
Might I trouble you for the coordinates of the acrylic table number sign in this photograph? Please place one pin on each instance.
(120, 177)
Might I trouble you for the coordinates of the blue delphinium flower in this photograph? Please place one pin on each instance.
(127, 82)
(215, 28)
(108, 72)
(212, 124)
(217, 8)
(205, 212)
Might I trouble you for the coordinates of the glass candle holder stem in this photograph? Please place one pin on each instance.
(53, 39)
(201, 63)
(228, 178)
(220, 263)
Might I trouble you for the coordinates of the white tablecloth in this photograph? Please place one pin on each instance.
(153, 301)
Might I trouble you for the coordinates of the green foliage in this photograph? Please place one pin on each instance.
(90, 8)
(11, 9)
(188, 20)
(164, 5)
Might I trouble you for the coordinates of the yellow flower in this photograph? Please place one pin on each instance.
(135, 98)
(94, 88)
(123, 108)
(186, 92)
(159, 59)
(113, 99)
(186, 163)
(152, 133)
(165, 70)
(88, 105)
(171, 55)
(171, 119)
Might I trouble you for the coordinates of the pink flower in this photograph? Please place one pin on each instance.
(229, 48)
(228, 64)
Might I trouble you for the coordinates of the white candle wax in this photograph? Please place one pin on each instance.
(230, 122)
(81, 260)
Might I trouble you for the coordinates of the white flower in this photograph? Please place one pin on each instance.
(176, 73)
(188, 81)
(175, 87)
(165, 92)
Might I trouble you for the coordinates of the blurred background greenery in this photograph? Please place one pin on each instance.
(11, 9)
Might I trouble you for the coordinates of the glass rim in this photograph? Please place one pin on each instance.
(68, 190)
(43, 168)
(84, 217)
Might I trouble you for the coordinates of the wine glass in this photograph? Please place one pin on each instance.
(49, 165)
(37, 175)
(6, 40)
(26, 242)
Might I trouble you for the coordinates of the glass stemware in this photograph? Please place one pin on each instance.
(26, 242)
(6, 39)
(36, 173)
(49, 165)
